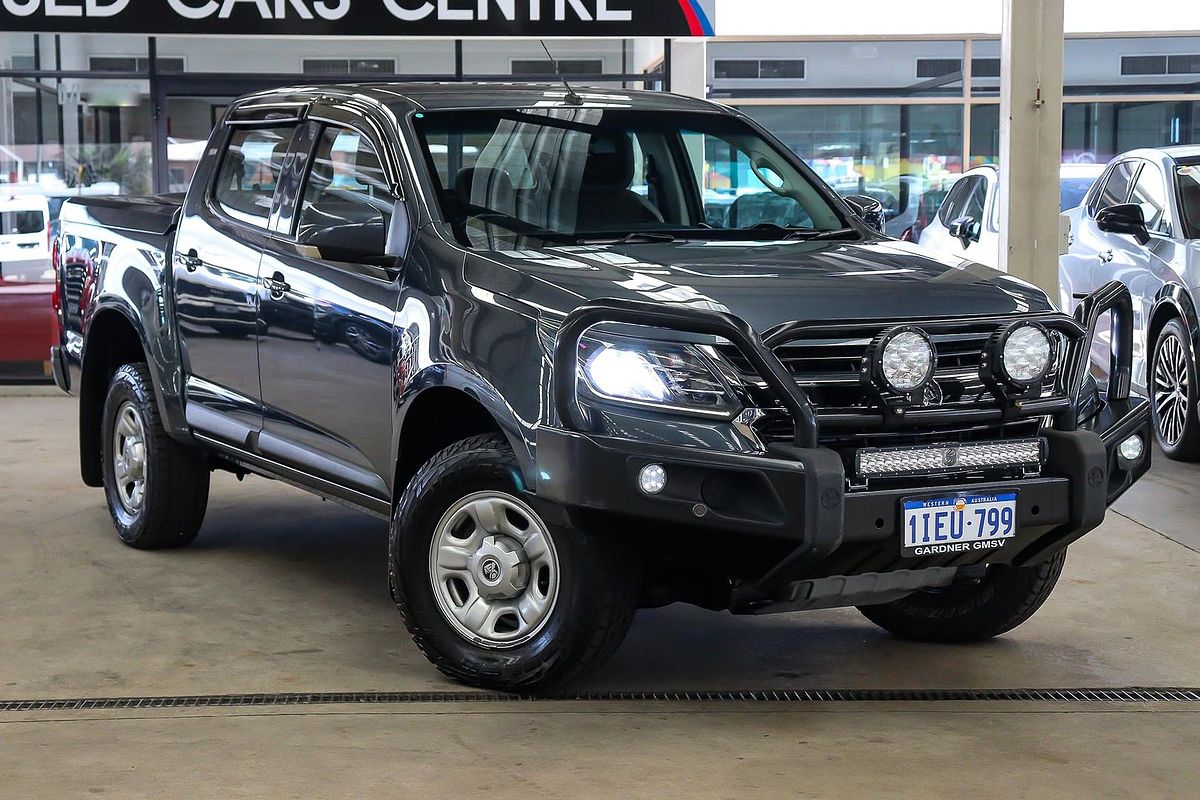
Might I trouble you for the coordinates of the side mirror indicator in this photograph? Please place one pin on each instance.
(1126, 219)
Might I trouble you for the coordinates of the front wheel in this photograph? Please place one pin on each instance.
(972, 611)
(493, 594)
(1173, 394)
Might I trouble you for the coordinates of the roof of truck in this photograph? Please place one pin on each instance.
(460, 96)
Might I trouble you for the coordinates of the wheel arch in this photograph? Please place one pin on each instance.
(1173, 302)
(446, 411)
(113, 340)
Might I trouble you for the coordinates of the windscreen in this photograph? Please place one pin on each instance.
(21, 222)
(599, 174)
(1187, 179)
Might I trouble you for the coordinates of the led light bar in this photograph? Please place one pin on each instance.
(945, 459)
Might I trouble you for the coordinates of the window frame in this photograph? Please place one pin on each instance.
(321, 119)
(1099, 186)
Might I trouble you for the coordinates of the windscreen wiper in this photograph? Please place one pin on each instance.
(636, 238)
(812, 235)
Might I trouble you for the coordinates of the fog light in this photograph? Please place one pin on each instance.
(652, 479)
(1132, 449)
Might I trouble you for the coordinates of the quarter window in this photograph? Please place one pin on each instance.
(249, 173)
(1116, 187)
(347, 204)
(966, 198)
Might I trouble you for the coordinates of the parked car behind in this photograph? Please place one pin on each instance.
(1140, 224)
(24, 234)
(28, 322)
(968, 223)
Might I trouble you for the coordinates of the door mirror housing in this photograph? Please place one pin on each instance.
(966, 229)
(371, 242)
(1126, 219)
(867, 209)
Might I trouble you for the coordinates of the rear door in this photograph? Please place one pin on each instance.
(326, 313)
(216, 270)
(24, 237)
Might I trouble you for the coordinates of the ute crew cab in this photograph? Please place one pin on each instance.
(504, 319)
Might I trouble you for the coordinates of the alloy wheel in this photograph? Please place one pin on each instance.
(494, 570)
(1172, 390)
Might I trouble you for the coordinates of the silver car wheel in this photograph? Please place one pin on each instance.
(129, 458)
(1172, 392)
(494, 570)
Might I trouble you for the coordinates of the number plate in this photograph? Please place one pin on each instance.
(960, 524)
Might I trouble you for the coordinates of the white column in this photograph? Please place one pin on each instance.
(1031, 139)
(689, 67)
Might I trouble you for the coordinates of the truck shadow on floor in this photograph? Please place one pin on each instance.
(339, 557)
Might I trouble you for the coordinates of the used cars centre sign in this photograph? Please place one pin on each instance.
(365, 17)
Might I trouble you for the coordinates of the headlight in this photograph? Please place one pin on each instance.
(902, 360)
(653, 374)
(1026, 354)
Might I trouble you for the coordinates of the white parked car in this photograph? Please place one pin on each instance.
(968, 223)
(24, 234)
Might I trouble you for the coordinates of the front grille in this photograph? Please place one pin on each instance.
(959, 408)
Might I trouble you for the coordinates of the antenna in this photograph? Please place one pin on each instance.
(572, 98)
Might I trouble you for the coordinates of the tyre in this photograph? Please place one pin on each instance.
(1174, 392)
(157, 488)
(994, 604)
(493, 594)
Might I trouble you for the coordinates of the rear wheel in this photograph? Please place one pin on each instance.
(492, 593)
(157, 488)
(980, 609)
(1173, 394)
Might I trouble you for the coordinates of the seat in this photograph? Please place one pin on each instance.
(605, 200)
(485, 188)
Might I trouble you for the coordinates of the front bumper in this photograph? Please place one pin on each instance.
(831, 543)
(833, 537)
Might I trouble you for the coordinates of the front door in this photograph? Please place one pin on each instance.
(216, 271)
(326, 314)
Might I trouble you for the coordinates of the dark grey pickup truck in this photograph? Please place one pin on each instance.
(587, 353)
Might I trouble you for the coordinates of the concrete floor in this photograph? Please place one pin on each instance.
(285, 593)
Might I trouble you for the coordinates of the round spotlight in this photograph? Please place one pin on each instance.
(1132, 449)
(1026, 354)
(652, 478)
(904, 360)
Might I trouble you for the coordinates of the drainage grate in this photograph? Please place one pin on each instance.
(1115, 695)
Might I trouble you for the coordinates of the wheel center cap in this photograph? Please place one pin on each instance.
(500, 568)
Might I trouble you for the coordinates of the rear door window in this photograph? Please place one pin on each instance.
(249, 173)
(20, 223)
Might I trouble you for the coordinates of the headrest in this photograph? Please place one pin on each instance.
(485, 187)
(610, 161)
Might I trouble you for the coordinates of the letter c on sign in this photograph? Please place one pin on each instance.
(184, 10)
(408, 14)
(18, 9)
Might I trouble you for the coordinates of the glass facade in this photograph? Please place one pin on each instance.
(894, 119)
(77, 111)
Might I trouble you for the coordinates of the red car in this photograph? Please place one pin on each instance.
(28, 326)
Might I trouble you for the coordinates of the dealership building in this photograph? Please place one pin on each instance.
(110, 94)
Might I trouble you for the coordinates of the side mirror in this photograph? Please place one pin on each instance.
(1124, 218)
(966, 230)
(868, 209)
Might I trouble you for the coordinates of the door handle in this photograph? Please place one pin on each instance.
(277, 286)
(191, 261)
(1105, 256)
